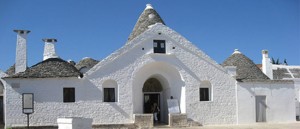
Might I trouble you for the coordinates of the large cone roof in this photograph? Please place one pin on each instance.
(147, 18)
(245, 68)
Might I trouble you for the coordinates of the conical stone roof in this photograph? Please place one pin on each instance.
(147, 18)
(245, 68)
(50, 68)
(86, 63)
(10, 70)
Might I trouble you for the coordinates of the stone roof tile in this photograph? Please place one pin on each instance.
(86, 63)
(50, 68)
(245, 68)
(147, 18)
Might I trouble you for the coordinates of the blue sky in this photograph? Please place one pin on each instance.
(96, 28)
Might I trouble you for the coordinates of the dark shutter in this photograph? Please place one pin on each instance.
(109, 95)
(69, 94)
(159, 46)
(204, 94)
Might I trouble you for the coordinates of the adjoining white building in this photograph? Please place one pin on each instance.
(2, 74)
(283, 72)
(155, 64)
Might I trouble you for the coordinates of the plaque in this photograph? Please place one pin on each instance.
(173, 106)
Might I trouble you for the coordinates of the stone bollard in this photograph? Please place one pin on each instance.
(178, 120)
(143, 120)
(74, 123)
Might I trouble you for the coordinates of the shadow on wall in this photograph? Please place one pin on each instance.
(51, 90)
(120, 110)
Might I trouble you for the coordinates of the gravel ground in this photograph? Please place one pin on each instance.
(295, 125)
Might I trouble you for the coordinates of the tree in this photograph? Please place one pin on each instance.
(285, 62)
(277, 62)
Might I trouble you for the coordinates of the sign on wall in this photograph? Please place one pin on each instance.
(173, 106)
(27, 100)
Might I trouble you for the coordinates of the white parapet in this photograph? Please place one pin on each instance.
(74, 123)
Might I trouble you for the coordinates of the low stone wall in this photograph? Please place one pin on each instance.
(115, 126)
(178, 120)
(143, 120)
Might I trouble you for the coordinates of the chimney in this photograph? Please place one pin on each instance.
(49, 49)
(266, 64)
(21, 51)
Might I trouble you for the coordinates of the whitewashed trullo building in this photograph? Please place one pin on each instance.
(155, 64)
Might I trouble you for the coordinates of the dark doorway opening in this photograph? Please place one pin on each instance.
(261, 107)
(1, 110)
(149, 101)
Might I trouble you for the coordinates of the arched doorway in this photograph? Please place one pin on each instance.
(152, 91)
(171, 84)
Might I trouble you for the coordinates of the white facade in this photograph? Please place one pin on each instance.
(268, 68)
(182, 70)
(279, 101)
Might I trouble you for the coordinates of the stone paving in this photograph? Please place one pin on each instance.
(295, 125)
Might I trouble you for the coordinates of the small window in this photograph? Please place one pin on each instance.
(162, 45)
(109, 95)
(159, 46)
(69, 94)
(154, 44)
(204, 94)
(205, 91)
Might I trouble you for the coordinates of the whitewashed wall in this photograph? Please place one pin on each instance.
(297, 95)
(280, 99)
(48, 96)
(180, 71)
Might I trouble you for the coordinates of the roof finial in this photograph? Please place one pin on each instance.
(236, 51)
(149, 6)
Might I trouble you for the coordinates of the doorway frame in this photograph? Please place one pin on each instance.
(265, 109)
(160, 98)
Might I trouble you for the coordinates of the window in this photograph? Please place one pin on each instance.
(69, 94)
(109, 95)
(110, 91)
(159, 46)
(205, 91)
(204, 94)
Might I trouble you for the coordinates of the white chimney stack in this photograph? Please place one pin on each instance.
(266, 64)
(21, 50)
(49, 49)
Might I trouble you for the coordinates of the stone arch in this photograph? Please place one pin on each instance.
(152, 85)
(171, 83)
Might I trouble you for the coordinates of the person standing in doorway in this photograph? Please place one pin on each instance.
(155, 111)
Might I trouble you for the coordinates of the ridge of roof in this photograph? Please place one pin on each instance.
(50, 68)
(246, 68)
(148, 17)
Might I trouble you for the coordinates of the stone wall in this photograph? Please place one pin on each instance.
(178, 120)
(143, 120)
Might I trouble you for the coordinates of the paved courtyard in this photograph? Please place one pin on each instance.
(295, 125)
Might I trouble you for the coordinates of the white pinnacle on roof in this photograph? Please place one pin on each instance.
(148, 6)
(236, 51)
